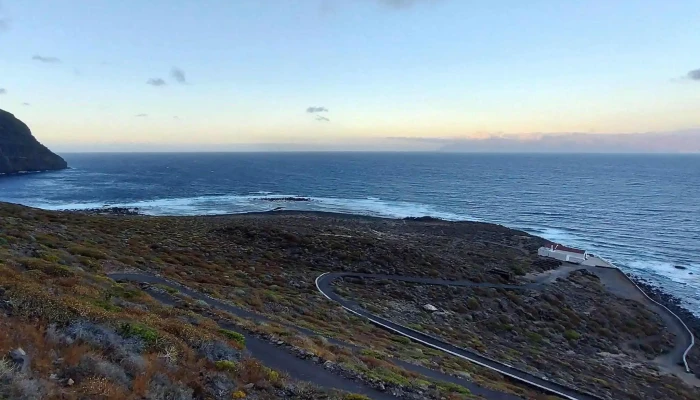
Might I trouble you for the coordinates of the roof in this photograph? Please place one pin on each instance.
(561, 247)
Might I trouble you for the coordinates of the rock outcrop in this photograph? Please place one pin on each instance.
(20, 151)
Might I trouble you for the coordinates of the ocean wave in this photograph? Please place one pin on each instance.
(233, 204)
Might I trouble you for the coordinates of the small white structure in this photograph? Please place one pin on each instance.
(563, 253)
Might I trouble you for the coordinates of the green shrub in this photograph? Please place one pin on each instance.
(401, 339)
(572, 335)
(148, 335)
(235, 336)
(452, 387)
(167, 288)
(534, 337)
(226, 365)
(107, 306)
(355, 396)
(473, 303)
(87, 252)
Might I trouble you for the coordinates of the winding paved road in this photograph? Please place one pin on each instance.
(323, 283)
(282, 360)
(612, 278)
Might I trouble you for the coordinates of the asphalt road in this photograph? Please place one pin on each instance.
(279, 359)
(323, 283)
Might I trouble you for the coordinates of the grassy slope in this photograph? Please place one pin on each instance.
(52, 279)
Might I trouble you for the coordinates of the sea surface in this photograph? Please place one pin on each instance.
(641, 212)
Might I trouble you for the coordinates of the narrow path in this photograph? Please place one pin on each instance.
(277, 358)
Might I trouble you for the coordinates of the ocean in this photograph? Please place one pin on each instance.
(642, 212)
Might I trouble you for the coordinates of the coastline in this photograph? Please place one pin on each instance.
(289, 248)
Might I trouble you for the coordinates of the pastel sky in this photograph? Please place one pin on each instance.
(217, 74)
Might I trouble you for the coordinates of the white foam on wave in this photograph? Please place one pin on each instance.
(689, 275)
(230, 204)
(383, 208)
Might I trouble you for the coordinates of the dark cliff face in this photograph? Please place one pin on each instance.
(20, 151)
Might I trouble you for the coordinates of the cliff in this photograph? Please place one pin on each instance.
(20, 151)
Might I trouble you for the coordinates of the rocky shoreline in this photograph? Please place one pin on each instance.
(107, 210)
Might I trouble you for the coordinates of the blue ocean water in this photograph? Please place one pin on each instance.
(640, 211)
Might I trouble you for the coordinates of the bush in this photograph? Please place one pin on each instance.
(217, 351)
(401, 339)
(572, 335)
(148, 335)
(226, 365)
(235, 336)
(239, 394)
(92, 366)
(87, 252)
(161, 388)
(473, 303)
(98, 336)
(355, 396)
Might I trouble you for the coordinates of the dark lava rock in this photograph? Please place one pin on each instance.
(110, 211)
(20, 151)
(284, 199)
(679, 267)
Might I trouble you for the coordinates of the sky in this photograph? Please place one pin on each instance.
(206, 75)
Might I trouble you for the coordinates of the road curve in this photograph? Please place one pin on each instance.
(323, 284)
(282, 360)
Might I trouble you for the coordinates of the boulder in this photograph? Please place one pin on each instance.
(430, 307)
(20, 358)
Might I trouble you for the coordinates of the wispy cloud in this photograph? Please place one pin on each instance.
(694, 75)
(316, 109)
(26, 104)
(141, 115)
(403, 4)
(4, 21)
(48, 60)
(321, 118)
(178, 75)
(3, 91)
(156, 82)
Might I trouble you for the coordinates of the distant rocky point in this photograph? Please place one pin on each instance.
(20, 151)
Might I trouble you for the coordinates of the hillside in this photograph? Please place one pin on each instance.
(227, 307)
(20, 151)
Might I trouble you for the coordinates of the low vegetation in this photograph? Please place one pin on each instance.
(86, 335)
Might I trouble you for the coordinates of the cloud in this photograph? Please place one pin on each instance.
(156, 82)
(687, 141)
(3, 91)
(141, 115)
(316, 109)
(4, 24)
(178, 75)
(48, 60)
(403, 4)
(26, 104)
(694, 75)
(321, 118)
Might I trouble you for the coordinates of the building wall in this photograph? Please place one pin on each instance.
(561, 255)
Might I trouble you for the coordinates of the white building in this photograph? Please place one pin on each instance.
(563, 253)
